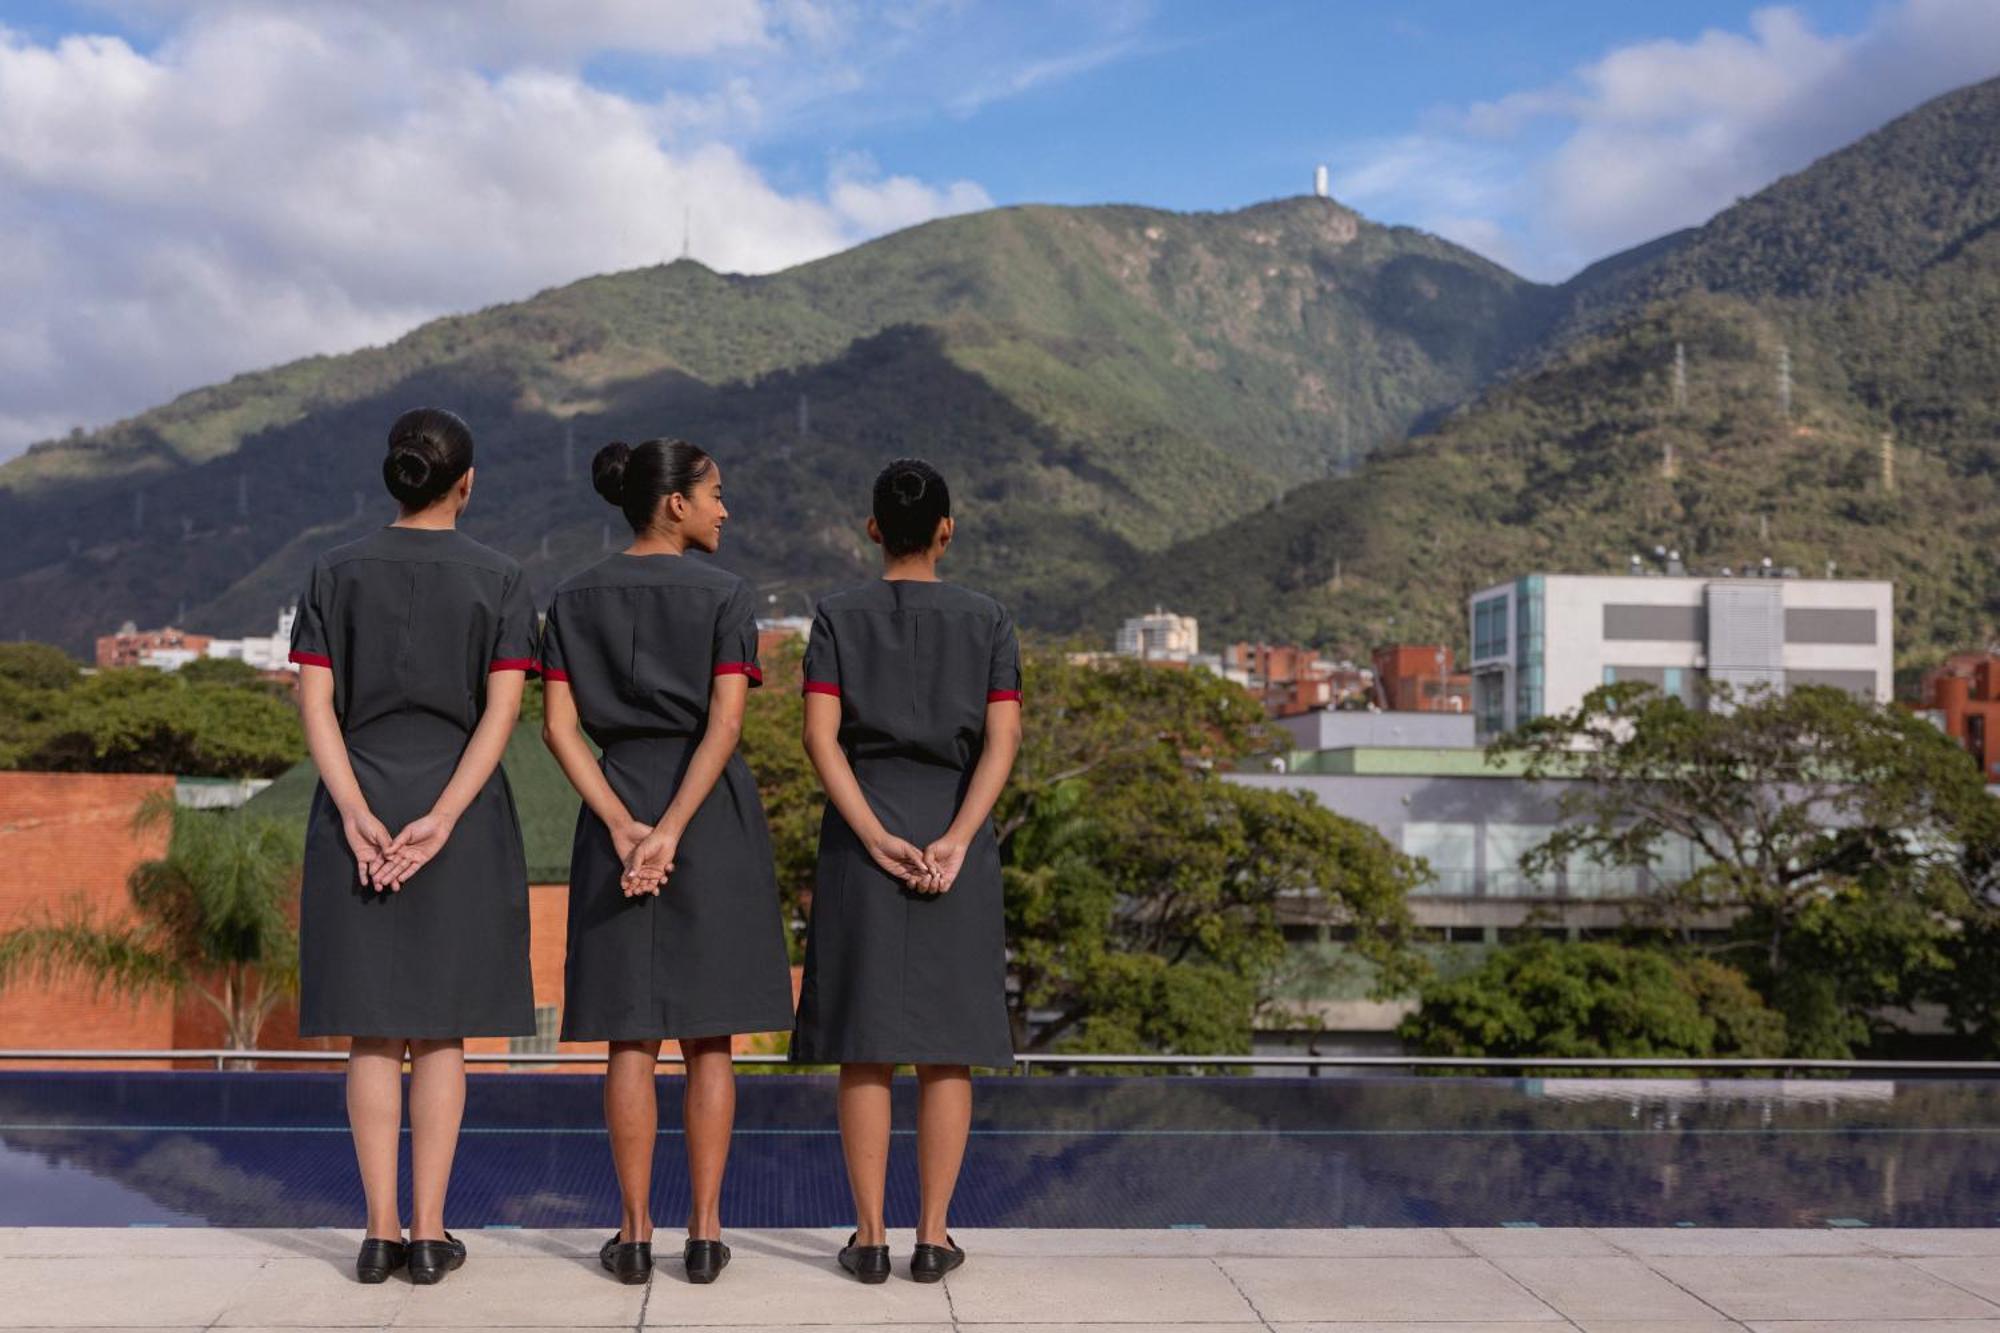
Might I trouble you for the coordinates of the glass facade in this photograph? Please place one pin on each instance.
(1453, 853)
(1489, 628)
(1528, 648)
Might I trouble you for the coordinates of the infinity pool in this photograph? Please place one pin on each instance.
(271, 1149)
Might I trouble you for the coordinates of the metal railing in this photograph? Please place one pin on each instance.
(222, 1058)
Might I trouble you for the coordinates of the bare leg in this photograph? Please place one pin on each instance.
(437, 1105)
(375, 1114)
(864, 1138)
(632, 1111)
(708, 1110)
(944, 1120)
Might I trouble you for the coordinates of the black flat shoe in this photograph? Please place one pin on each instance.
(870, 1263)
(430, 1260)
(928, 1263)
(705, 1259)
(379, 1258)
(630, 1261)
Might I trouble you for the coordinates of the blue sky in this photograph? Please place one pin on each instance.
(198, 187)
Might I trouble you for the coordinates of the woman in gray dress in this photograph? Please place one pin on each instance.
(912, 719)
(413, 644)
(674, 924)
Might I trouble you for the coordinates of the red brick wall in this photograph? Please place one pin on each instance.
(67, 838)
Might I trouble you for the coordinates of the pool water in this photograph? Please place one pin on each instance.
(271, 1149)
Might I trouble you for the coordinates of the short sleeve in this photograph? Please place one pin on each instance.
(549, 658)
(310, 645)
(822, 667)
(736, 637)
(514, 643)
(1003, 679)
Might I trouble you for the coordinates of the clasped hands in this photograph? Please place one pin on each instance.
(931, 869)
(386, 862)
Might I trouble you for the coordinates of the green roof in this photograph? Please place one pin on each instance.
(543, 796)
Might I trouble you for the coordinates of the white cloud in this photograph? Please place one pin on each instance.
(1663, 134)
(269, 182)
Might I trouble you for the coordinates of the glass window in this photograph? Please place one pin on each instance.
(1505, 844)
(1489, 628)
(1453, 853)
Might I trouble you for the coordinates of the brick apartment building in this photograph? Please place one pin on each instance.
(1420, 678)
(1963, 697)
(132, 646)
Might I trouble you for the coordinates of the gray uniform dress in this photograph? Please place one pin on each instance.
(639, 640)
(892, 975)
(411, 622)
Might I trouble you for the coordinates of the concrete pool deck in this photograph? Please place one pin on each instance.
(1306, 1281)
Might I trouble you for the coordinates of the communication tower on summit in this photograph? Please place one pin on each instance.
(1319, 181)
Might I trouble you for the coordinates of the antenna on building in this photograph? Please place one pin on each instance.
(1680, 377)
(1888, 463)
(1320, 184)
(1785, 381)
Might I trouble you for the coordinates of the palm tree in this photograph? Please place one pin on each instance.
(210, 919)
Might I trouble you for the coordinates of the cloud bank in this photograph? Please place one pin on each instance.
(271, 181)
(1661, 135)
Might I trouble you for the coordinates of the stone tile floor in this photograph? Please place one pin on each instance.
(1416, 1281)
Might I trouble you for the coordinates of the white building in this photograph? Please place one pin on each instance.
(1160, 636)
(269, 652)
(1543, 641)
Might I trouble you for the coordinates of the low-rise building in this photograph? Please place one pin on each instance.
(165, 649)
(1963, 697)
(1420, 678)
(1160, 636)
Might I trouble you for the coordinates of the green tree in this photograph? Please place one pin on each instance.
(772, 721)
(1594, 999)
(136, 720)
(210, 918)
(1830, 830)
(40, 666)
(1143, 890)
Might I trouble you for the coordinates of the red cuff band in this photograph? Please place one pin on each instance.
(822, 687)
(1003, 696)
(527, 664)
(554, 673)
(749, 669)
(311, 659)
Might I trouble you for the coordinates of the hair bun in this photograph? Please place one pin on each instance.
(909, 487)
(410, 468)
(607, 471)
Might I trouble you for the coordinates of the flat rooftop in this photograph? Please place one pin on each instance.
(1051, 1281)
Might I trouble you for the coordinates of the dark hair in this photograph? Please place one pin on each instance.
(910, 499)
(636, 477)
(429, 450)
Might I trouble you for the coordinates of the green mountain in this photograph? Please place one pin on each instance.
(1098, 382)
(1874, 275)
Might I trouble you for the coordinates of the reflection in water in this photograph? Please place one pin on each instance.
(268, 1149)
